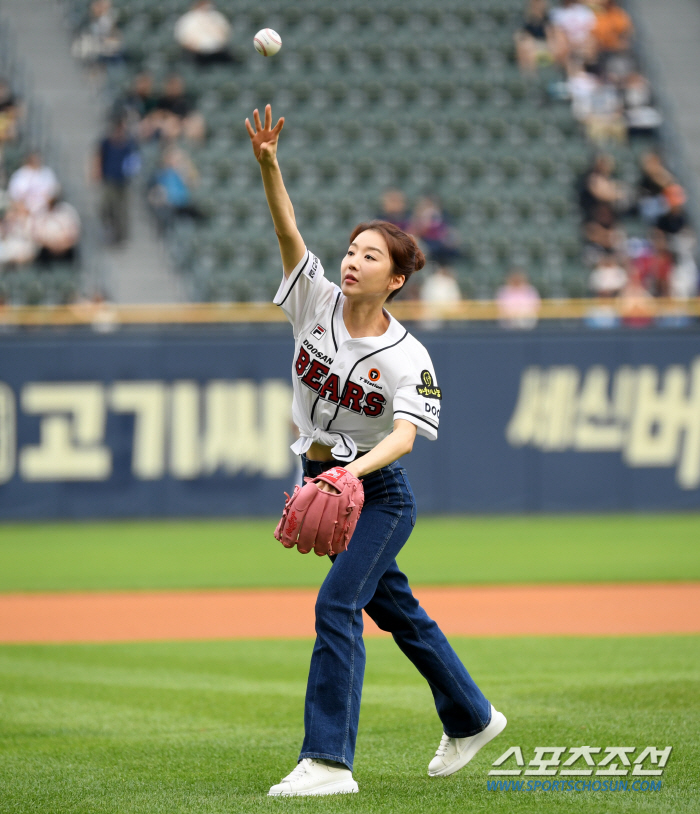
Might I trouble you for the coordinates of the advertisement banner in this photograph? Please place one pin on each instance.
(198, 422)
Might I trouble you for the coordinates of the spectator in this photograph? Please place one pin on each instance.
(95, 309)
(33, 184)
(174, 115)
(684, 277)
(394, 209)
(175, 99)
(607, 120)
(115, 163)
(429, 225)
(10, 112)
(140, 101)
(653, 180)
(170, 193)
(636, 304)
(518, 302)
(535, 40)
(653, 266)
(17, 245)
(608, 278)
(598, 186)
(204, 32)
(7, 97)
(597, 104)
(101, 42)
(582, 86)
(642, 117)
(613, 28)
(601, 234)
(574, 22)
(57, 231)
(439, 293)
(674, 220)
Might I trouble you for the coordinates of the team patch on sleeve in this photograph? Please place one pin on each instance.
(428, 390)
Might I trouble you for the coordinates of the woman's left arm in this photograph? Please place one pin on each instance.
(399, 442)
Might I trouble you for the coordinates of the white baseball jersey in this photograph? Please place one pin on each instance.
(347, 392)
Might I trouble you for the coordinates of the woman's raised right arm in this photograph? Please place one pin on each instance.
(264, 141)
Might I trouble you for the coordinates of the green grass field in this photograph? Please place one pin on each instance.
(208, 726)
(454, 550)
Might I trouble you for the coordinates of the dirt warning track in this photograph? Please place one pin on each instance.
(577, 610)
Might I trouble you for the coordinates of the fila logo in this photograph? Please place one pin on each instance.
(318, 332)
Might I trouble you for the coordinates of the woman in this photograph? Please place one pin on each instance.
(535, 43)
(363, 388)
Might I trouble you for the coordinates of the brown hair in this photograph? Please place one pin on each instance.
(404, 253)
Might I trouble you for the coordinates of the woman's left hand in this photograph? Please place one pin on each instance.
(326, 487)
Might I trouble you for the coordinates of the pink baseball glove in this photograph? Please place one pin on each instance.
(324, 521)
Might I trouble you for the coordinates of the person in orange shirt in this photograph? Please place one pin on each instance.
(613, 28)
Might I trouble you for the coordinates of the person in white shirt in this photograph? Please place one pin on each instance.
(204, 32)
(439, 294)
(57, 231)
(363, 389)
(33, 184)
(575, 22)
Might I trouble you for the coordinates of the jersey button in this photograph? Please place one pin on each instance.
(341, 366)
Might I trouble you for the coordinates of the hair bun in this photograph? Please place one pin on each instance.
(420, 258)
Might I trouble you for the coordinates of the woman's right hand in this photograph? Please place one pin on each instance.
(264, 139)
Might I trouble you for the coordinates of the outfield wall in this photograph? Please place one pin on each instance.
(197, 422)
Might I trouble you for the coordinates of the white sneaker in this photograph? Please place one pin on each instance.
(311, 777)
(454, 753)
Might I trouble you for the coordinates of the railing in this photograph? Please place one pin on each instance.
(106, 316)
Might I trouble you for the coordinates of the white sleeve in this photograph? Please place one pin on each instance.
(304, 292)
(417, 398)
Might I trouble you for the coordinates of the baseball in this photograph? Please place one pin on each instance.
(267, 42)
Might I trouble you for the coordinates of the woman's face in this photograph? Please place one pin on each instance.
(366, 269)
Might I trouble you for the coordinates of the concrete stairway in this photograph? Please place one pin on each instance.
(670, 32)
(140, 272)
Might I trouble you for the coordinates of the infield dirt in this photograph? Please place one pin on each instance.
(579, 610)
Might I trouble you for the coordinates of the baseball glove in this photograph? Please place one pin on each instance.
(324, 521)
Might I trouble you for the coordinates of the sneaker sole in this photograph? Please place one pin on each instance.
(496, 726)
(345, 787)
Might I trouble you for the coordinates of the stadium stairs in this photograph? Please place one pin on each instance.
(29, 284)
(672, 65)
(139, 273)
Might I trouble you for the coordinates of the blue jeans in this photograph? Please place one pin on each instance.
(366, 577)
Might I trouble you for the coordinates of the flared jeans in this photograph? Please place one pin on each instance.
(366, 577)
